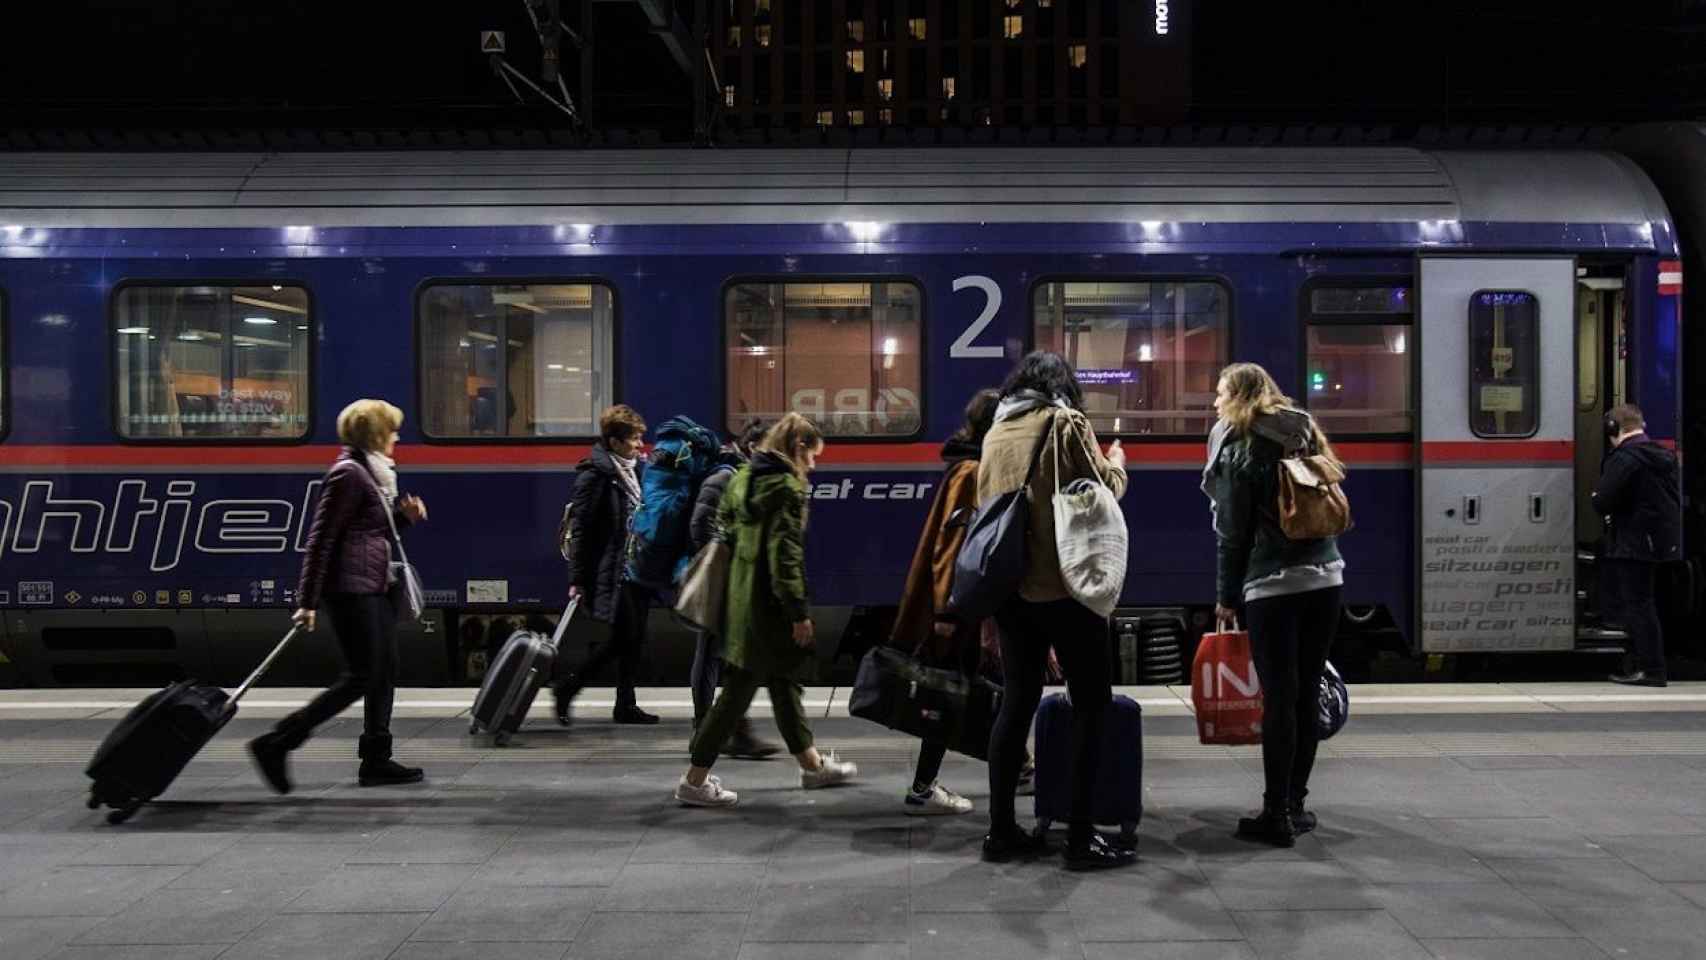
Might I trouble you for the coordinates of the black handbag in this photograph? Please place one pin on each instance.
(992, 559)
(941, 706)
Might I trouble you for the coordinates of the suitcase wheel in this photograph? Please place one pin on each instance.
(473, 728)
(123, 813)
(500, 739)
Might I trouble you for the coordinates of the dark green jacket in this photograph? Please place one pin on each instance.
(1242, 483)
(763, 515)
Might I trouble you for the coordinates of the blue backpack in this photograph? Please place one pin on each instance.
(684, 455)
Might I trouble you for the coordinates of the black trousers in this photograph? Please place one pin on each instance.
(366, 628)
(1289, 639)
(627, 635)
(1631, 598)
(965, 659)
(1080, 640)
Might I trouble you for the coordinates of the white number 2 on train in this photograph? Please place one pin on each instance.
(962, 348)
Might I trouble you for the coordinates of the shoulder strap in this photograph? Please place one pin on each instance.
(1037, 452)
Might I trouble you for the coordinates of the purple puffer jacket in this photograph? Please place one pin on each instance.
(349, 543)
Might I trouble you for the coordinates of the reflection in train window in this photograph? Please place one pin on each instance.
(1147, 353)
(212, 361)
(1504, 356)
(515, 359)
(1357, 372)
(845, 353)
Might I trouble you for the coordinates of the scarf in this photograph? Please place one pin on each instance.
(625, 473)
(1023, 402)
(385, 474)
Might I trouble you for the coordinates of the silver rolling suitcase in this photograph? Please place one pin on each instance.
(513, 680)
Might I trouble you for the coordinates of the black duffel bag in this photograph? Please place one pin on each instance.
(993, 556)
(941, 706)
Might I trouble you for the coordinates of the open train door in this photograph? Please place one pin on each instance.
(1496, 365)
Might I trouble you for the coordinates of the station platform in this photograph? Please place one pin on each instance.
(1556, 820)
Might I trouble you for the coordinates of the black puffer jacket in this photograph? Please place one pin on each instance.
(598, 543)
(702, 525)
(1641, 501)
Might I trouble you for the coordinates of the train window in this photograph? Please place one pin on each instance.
(1147, 352)
(1504, 357)
(1358, 363)
(212, 361)
(845, 353)
(515, 359)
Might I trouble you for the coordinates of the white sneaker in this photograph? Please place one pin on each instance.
(828, 774)
(937, 801)
(708, 794)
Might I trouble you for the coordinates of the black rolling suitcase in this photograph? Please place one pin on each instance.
(141, 757)
(527, 660)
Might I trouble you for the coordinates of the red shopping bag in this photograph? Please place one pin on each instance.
(1224, 689)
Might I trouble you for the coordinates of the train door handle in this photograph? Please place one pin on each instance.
(1472, 508)
(1537, 508)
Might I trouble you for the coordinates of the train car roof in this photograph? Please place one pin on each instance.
(941, 185)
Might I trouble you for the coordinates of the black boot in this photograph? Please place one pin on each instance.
(272, 759)
(565, 694)
(1089, 850)
(1011, 843)
(1302, 821)
(744, 746)
(631, 713)
(377, 767)
(1272, 826)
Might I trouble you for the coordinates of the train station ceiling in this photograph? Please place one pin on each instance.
(199, 74)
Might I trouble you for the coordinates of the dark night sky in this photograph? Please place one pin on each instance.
(201, 64)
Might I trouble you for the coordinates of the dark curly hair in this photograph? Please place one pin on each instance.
(1047, 373)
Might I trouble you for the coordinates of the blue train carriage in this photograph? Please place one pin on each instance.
(180, 332)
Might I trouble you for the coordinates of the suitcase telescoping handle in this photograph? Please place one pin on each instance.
(237, 694)
(563, 622)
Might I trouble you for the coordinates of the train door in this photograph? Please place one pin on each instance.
(1601, 383)
(1496, 506)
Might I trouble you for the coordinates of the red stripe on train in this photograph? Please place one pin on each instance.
(899, 455)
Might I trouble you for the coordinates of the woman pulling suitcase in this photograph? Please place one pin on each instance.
(348, 565)
(1039, 421)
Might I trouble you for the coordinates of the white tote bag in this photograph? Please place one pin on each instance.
(1091, 538)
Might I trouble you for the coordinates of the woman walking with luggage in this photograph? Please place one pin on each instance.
(348, 565)
(606, 493)
(768, 637)
(923, 626)
(1289, 590)
(1041, 418)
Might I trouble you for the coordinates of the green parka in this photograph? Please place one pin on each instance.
(763, 515)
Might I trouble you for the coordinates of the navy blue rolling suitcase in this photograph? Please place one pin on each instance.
(1118, 797)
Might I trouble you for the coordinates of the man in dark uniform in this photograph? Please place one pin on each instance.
(1640, 497)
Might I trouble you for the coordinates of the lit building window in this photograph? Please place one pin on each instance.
(761, 34)
(856, 61)
(948, 84)
(762, 6)
(917, 28)
(1077, 55)
(855, 31)
(826, 118)
(1045, 4)
(856, 117)
(1012, 27)
(729, 95)
(1015, 4)
(885, 117)
(734, 35)
(885, 88)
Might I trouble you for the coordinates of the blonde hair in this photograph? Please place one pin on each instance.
(364, 423)
(1251, 392)
(791, 434)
